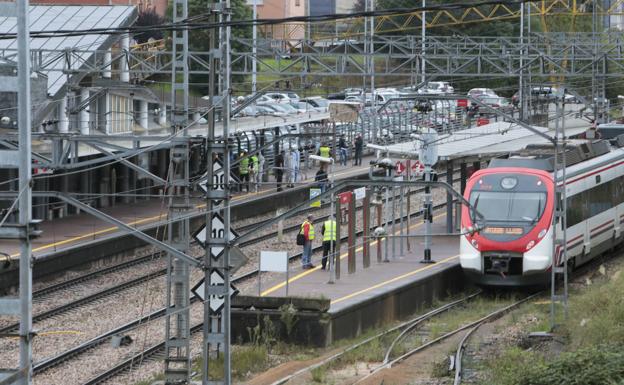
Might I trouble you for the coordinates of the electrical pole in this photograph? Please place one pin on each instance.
(25, 191)
(21, 306)
(177, 329)
(423, 36)
(429, 156)
(254, 63)
(521, 80)
(216, 328)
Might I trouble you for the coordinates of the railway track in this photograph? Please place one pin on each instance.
(471, 325)
(50, 290)
(93, 343)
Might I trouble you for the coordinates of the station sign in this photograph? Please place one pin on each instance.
(345, 197)
(218, 230)
(314, 192)
(359, 193)
(215, 302)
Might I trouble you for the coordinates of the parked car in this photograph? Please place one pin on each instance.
(475, 92)
(437, 88)
(352, 92)
(270, 110)
(317, 102)
(278, 97)
(248, 111)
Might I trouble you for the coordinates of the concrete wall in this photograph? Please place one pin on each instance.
(318, 328)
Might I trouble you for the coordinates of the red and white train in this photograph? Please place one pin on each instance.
(514, 245)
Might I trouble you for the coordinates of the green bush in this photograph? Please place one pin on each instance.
(599, 365)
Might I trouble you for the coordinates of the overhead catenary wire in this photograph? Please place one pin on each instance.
(191, 24)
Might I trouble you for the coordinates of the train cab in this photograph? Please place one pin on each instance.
(510, 243)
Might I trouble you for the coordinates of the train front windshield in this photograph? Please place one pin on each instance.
(504, 206)
(511, 204)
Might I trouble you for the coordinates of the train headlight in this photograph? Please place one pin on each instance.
(541, 234)
(530, 244)
(474, 244)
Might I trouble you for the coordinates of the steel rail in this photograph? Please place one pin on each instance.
(408, 354)
(152, 350)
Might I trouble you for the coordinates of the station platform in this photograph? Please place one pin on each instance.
(382, 292)
(76, 230)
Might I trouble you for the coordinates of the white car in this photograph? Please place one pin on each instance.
(319, 103)
(278, 97)
(437, 88)
(475, 92)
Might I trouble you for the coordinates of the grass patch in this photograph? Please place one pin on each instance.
(319, 375)
(593, 337)
(246, 360)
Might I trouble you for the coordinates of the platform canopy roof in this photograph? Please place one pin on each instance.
(49, 51)
(487, 141)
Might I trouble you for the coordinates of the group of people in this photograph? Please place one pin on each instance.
(250, 170)
(287, 165)
(328, 232)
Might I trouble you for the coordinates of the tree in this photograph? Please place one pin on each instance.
(359, 6)
(199, 39)
(149, 18)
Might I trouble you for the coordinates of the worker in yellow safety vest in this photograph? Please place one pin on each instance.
(329, 239)
(324, 151)
(244, 171)
(307, 230)
(253, 170)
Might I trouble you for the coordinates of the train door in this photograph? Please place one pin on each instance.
(600, 223)
(576, 214)
(618, 199)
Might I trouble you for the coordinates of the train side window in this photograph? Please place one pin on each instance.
(600, 199)
(618, 191)
(575, 209)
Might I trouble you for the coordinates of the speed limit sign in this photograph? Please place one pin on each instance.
(218, 178)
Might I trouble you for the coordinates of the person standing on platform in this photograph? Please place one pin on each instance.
(260, 172)
(324, 151)
(329, 239)
(288, 167)
(359, 146)
(253, 171)
(342, 146)
(243, 171)
(279, 170)
(321, 178)
(294, 155)
(307, 229)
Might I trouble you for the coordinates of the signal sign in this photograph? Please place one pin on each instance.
(216, 302)
(218, 230)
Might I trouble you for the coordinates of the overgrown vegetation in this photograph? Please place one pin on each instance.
(593, 352)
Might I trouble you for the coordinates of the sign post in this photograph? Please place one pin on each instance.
(276, 261)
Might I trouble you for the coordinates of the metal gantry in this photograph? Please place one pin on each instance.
(216, 328)
(177, 330)
(20, 158)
